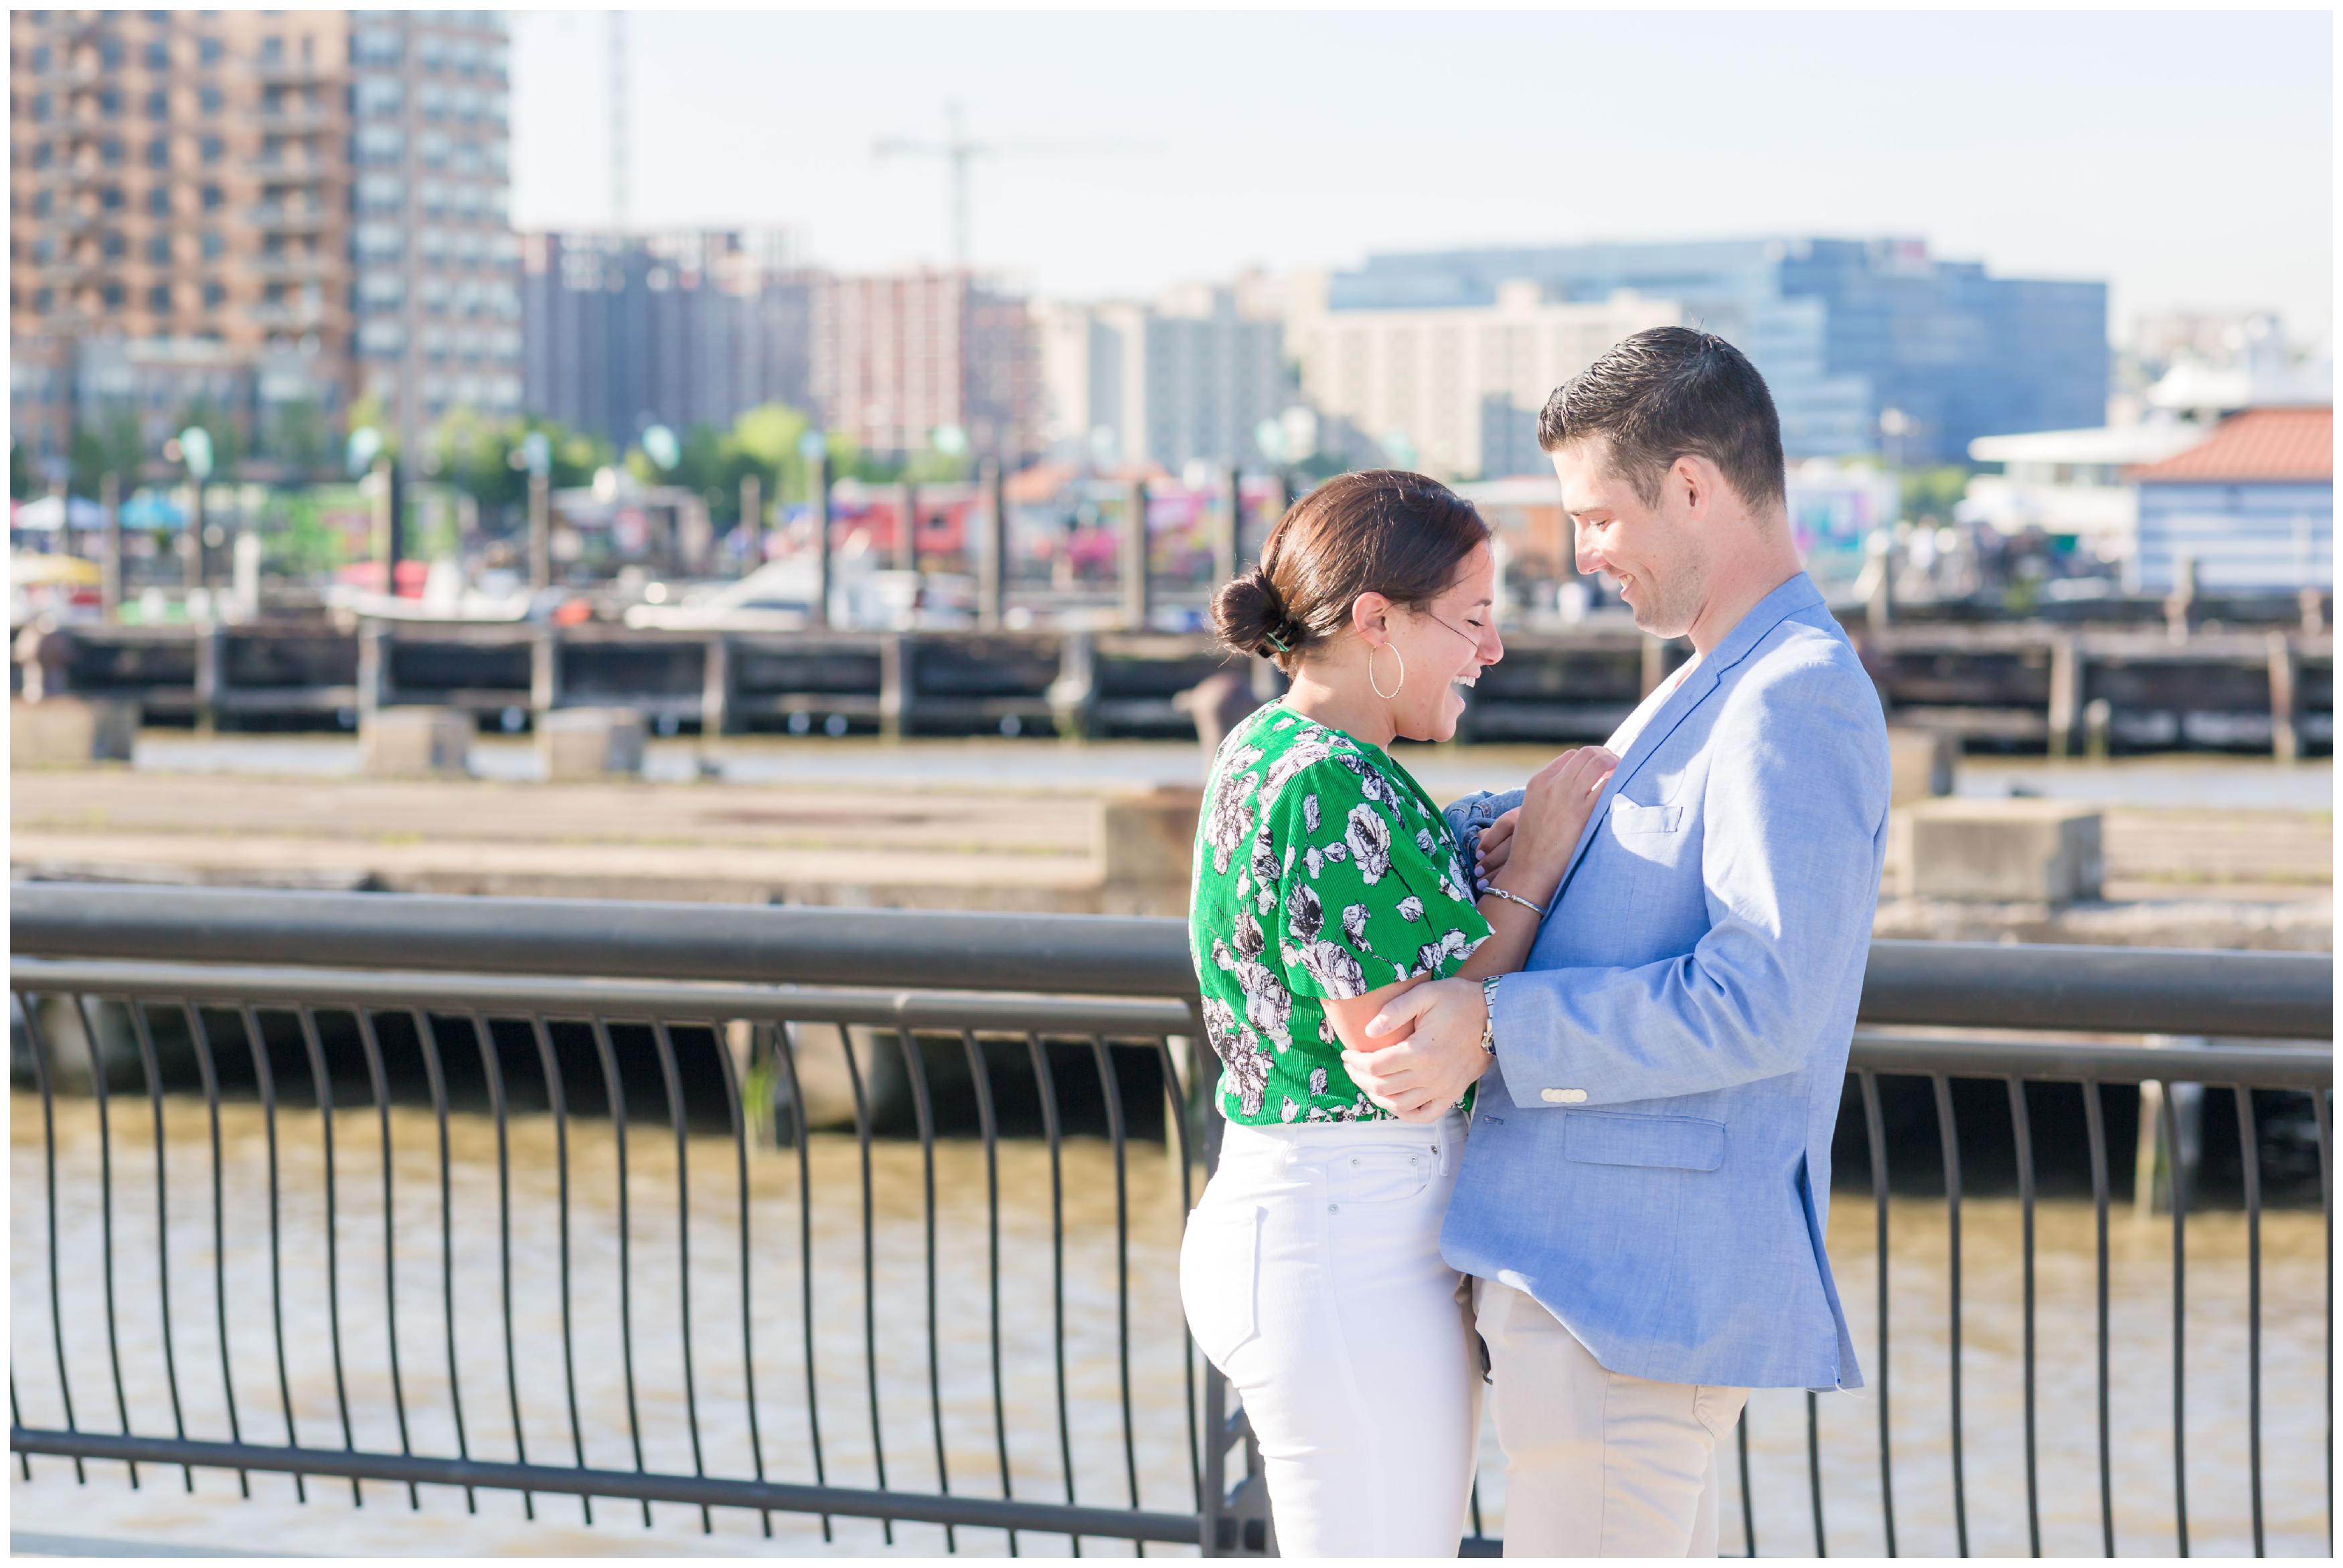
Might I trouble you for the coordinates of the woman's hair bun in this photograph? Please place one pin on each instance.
(1251, 618)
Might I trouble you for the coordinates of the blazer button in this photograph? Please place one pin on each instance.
(1563, 1096)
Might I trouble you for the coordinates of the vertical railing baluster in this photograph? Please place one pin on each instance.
(982, 1077)
(800, 1131)
(1113, 1088)
(492, 1067)
(1874, 1133)
(2180, 1322)
(325, 1087)
(1949, 1134)
(870, 1286)
(732, 1104)
(380, 1083)
(916, 1073)
(29, 1003)
(201, 1038)
(1748, 1506)
(2095, 1128)
(1177, 1110)
(616, 1088)
(557, 1100)
(16, 1419)
(140, 1028)
(667, 1074)
(1048, 1086)
(264, 1075)
(1814, 1473)
(2022, 1129)
(428, 1036)
(2249, 1151)
(2322, 1108)
(106, 1210)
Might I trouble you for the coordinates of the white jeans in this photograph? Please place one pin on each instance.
(1312, 1279)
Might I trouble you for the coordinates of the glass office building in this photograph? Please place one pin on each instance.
(1869, 345)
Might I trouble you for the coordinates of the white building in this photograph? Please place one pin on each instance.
(1455, 390)
(2071, 483)
(1187, 379)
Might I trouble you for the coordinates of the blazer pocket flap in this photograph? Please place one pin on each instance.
(1627, 816)
(1608, 1138)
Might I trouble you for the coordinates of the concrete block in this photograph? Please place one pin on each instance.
(2005, 851)
(71, 732)
(396, 742)
(579, 743)
(1920, 764)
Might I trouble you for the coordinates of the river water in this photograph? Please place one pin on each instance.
(2293, 1374)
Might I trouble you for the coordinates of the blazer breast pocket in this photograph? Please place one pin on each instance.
(1629, 818)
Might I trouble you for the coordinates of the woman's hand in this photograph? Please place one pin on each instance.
(1553, 812)
(1497, 847)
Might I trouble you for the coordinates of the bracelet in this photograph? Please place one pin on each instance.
(1514, 898)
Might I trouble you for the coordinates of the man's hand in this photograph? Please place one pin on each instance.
(1422, 1073)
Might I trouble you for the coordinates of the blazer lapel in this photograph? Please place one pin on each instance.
(1768, 613)
(1690, 694)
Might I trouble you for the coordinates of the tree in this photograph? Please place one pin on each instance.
(296, 435)
(20, 477)
(114, 446)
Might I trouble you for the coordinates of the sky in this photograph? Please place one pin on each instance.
(2187, 158)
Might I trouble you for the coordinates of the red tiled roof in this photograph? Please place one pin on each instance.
(2258, 444)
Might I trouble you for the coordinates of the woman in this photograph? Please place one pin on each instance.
(1327, 883)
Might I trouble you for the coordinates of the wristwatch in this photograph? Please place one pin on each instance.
(1489, 1014)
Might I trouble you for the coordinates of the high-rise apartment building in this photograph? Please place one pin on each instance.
(620, 332)
(1454, 389)
(1189, 378)
(435, 265)
(1869, 345)
(308, 205)
(896, 359)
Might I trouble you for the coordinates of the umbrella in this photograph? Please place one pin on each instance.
(32, 571)
(146, 509)
(52, 512)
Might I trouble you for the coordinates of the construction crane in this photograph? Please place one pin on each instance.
(959, 151)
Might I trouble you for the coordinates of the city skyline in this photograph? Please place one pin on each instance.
(2186, 158)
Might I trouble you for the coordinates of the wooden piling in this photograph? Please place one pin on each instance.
(2286, 697)
(1133, 554)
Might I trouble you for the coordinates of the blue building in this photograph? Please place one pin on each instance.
(1845, 331)
(2250, 509)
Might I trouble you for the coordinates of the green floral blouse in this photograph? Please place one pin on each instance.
(1323, 870)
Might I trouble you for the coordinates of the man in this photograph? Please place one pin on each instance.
(1641, 1202)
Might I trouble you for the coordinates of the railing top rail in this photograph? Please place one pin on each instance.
(277, 985)
(1979, 985)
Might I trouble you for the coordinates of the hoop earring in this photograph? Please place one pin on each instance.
(1379, 691)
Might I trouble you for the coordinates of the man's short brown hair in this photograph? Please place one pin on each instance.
(1672, 392)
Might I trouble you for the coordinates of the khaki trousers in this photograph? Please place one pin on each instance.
(1598, 1464)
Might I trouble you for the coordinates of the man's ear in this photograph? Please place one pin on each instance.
(1687, 472)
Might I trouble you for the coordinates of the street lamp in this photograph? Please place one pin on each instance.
(193, 447)
(814, 447)
(535, 455)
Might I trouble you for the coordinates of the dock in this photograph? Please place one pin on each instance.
(2019, 685)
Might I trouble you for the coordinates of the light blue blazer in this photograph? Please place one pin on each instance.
(1649, 1157)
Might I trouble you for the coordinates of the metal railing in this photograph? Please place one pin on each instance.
(784, 1272)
